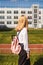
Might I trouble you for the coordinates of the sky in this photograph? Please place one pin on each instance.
(20, 3)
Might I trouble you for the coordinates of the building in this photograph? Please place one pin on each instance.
(10, 16)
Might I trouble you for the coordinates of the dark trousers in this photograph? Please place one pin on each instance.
(23, 58)
(27, 62)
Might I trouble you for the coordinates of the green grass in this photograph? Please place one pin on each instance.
(8, 59)
(11, 59)
(5, 36)
(35, 36)
(36, 59)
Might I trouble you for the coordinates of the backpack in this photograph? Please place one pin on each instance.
(15, 47)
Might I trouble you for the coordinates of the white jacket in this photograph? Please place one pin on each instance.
(23, 38)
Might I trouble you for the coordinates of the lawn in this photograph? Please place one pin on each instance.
(7, 59)
(35, 36)
(36, 59)
(11, 59)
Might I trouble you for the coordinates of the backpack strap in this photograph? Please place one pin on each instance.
(18, 34)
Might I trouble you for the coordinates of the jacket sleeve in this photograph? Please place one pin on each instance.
(25, 40)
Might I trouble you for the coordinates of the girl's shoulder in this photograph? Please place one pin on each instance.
(24, 29)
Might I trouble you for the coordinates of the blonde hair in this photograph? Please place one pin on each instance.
(23, 22)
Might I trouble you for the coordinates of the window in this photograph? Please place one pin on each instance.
(15, 12)
(35, 25)
(39, 17)
(29, 12)
(23, 12)
(29, 22)
(2, 12)
(35, 10)
(35, 20)
(15, 17)
(29, 17)
(9, 12)
(39, 12)
(8, 17)
(1, 22)
(35, 15)
(35, 6)
(8, 22)
(41, 26)
(2, 17)
(15, 22)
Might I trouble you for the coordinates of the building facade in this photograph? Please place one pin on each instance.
(10, 16)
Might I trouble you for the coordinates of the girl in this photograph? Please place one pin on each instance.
(22, 27)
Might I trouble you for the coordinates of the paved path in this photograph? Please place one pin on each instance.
(34, 48)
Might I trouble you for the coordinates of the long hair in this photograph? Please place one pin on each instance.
(22, 22)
